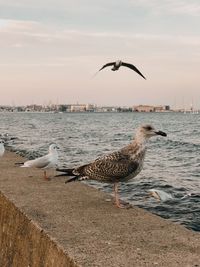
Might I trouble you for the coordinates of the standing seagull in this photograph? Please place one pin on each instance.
(2, 149)
(46, 162)
(119, 166)
(117, 64)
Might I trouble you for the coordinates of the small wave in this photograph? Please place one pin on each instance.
(181, 144)
(169, 162)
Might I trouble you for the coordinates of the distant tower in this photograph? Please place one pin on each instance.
(191, 107)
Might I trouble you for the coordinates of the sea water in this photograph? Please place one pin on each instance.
(172, 163)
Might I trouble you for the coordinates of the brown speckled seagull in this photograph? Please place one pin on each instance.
(119, 166)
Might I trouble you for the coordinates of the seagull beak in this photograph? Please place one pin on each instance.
(161, 133)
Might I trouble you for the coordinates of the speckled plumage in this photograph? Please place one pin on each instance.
(119, 166)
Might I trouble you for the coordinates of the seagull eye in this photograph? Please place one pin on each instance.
(148, 128)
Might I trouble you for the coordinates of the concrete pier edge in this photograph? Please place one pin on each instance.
(50, 224)
(27, 233)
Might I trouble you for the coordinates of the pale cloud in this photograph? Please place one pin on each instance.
(40, 32)
(16, 24)
(184, 7)
(45, 46)
(18, 45)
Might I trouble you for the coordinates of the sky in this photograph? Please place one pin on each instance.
(50, 51)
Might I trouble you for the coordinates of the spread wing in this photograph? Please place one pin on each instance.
(107, 65)
(133, 68)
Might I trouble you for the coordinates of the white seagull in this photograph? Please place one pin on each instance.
(119, 166)
(117, 64)
(2, 149)
(46, 162)
(160, 195)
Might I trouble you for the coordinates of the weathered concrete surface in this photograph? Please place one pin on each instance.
(92, 231)
(24, 243)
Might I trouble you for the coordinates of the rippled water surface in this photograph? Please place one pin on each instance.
(172, 164)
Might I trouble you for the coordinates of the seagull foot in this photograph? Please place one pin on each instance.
(123, 205)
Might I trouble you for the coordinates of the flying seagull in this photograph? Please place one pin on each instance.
(2, 149)
(117, 64)
(119, 166)
(46, 162)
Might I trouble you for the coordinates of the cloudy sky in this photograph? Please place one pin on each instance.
(49, 51)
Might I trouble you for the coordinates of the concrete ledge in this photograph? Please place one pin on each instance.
(24, 243)
(52, 224)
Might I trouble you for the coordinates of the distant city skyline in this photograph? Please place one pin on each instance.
(74, 107)
(49, 52)
(176, 104)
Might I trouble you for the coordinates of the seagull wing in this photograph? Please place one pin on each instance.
(133, 68)
(107, 65)
(111, 167)
(40, 163)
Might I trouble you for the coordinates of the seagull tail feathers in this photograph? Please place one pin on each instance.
(66, 172)
(76, 176)
(73, 179)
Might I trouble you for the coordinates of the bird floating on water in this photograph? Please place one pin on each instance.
(46, 162)
(160, 195)
(2, 149)
(119, 166)
(163, 196)
(117, 64)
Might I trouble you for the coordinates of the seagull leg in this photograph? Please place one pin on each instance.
(117, 202)
(46, 177)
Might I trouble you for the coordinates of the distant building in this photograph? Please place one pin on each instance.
(33, 107)
(64, 108)
(162, 108)
(90, 107)
(167, 108)
(78, 108)
(147, 108)
(106, 109)
(143, 108)
(82, 108)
